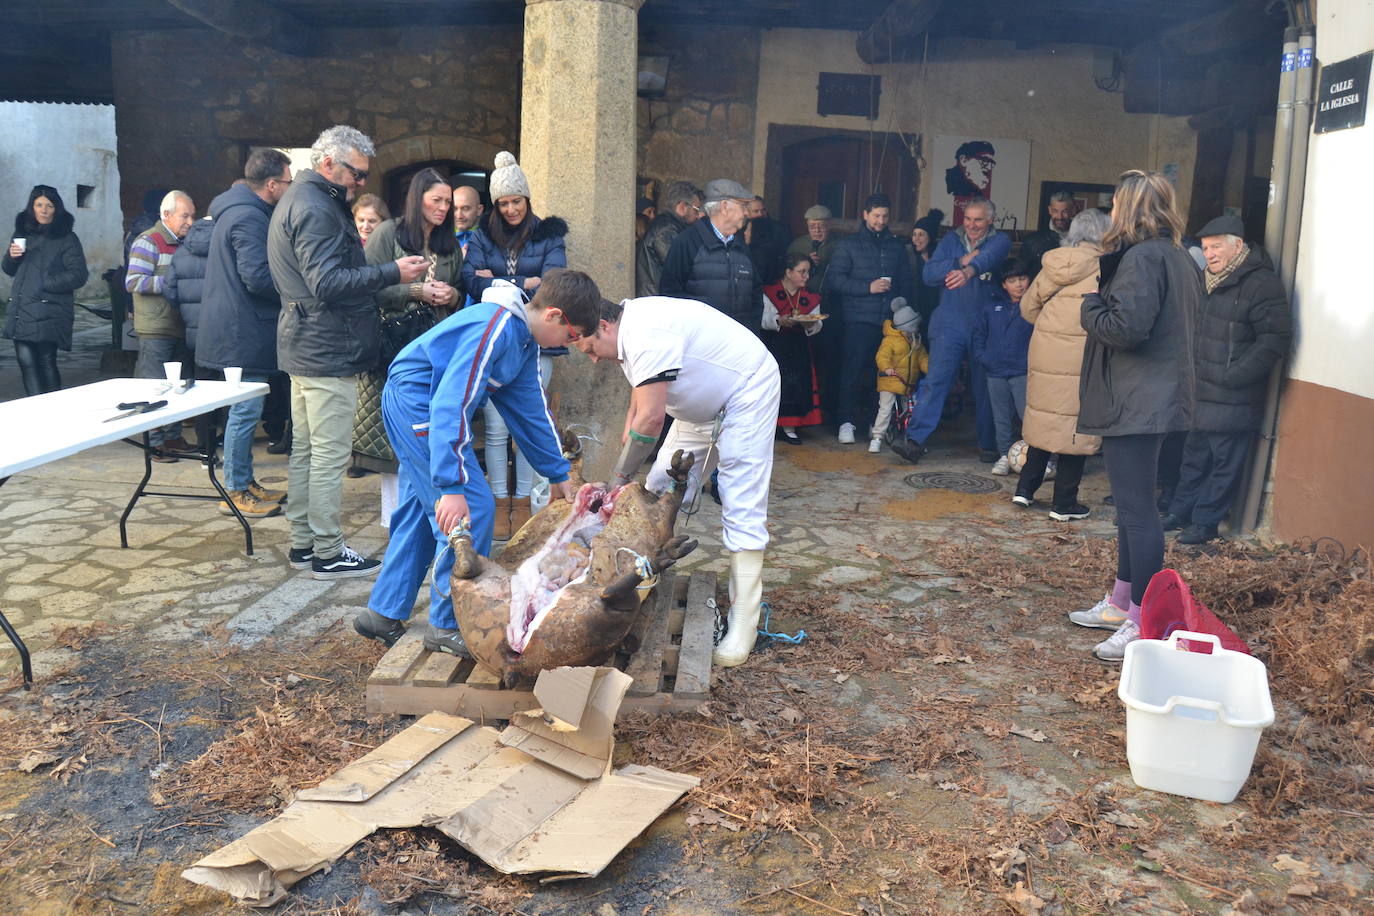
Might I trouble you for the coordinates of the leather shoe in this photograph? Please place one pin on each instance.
(1198, 534)
(908, 449)
(1172, 522)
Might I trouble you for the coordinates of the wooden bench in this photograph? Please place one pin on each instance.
(671, 666)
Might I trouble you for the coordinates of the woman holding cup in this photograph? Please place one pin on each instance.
(48, 266)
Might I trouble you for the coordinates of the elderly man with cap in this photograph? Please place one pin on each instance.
(818, 243)
(827, 347)
(710, 262)
(1243, 329)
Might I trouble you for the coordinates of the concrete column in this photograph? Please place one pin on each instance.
(577, 147)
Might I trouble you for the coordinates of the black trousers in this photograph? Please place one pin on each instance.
(1213, 464)
(1132, 463)
(1066, 479)
(37, 366)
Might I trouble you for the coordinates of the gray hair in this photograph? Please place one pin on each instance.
(681, 192)
(1061, 197)
(712, 207)
(1089, 226)
(169, 201)
(988, 206)
(337, 142)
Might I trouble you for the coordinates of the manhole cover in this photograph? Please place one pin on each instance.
(945, 480)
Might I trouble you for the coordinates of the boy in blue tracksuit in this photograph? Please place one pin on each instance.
(1001, 342)
(434, 387)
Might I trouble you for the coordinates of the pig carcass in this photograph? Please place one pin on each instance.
(569, 584)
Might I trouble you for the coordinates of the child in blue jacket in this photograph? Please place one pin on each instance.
(434, 387)
(1001, 341)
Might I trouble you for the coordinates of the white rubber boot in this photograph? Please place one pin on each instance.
(746, 598)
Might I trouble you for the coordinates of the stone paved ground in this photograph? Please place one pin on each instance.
(856, 551)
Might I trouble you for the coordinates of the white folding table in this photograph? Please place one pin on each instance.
(47, 427)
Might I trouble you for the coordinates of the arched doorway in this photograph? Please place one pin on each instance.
(807, 165)
(396, 182)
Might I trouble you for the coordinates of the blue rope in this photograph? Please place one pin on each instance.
(781, 637)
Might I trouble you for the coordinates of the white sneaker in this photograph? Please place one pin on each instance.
(846, 434)
(1104, 615)
(1023, 501)
(1051, 469)
(875, 445)
(1002, 468)
(1113, 648)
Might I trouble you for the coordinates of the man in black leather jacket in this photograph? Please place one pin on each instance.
(327, 334)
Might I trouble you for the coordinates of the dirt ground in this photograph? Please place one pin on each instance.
(940, 742)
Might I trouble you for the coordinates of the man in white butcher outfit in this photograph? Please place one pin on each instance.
(718, 382)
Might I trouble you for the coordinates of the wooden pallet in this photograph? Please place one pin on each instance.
(671, 668)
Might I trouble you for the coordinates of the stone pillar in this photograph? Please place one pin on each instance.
(577, 147)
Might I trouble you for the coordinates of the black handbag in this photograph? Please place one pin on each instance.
(399, 329)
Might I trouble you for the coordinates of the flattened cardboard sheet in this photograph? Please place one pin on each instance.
(536, 798)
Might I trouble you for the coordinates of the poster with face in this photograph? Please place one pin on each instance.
(982, 167)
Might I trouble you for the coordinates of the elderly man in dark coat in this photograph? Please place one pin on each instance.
(1243, 329)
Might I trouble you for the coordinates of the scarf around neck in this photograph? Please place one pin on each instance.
(1215, 280)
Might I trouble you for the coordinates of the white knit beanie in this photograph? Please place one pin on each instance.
(507, 179)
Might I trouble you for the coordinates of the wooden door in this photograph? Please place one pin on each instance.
(841, 170)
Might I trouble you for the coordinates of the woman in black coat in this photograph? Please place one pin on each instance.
(48, 266)
(1136, 385)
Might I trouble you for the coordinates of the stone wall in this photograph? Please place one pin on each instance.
(189, 103)
(703, 127)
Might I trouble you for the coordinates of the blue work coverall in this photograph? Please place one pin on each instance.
(951, 333)
(435, 386)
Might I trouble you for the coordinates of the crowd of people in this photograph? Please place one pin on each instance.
(392, 335)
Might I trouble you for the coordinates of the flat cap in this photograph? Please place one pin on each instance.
(819, 211)
(1223, 225)
(726, 189)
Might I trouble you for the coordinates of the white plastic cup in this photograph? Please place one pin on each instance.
(234, 375)
(173, 371)
(22, 243)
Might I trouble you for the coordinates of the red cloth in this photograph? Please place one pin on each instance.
(1169, 605)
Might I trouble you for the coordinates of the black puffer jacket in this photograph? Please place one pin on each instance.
(860, 259)
(652, 251)
(1243, 329)
(184, 286)
(46, 278)
(239, 321)
(1137, 373)
(328, 325)
(701, 266)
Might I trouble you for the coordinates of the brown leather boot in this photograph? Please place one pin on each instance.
(502, 529)
(520, 512)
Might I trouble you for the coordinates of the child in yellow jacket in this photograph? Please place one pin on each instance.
(901, 360)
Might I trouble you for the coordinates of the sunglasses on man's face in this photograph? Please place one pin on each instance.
(359, 175)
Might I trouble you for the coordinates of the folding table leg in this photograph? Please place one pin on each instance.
(14, 638)
(219, 488)
(138, 491)
(23, 650)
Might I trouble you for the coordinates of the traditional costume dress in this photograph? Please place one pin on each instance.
(791, 347)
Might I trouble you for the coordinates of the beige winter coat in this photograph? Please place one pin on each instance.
(1053, 305)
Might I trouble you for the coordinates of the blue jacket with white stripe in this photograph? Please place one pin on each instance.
(484, 350)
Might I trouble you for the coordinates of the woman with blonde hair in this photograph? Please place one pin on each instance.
(1136, 384)
(369, 212)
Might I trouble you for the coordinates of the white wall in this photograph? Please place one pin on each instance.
(1335, 305)
(1077, 132)
(63, 146)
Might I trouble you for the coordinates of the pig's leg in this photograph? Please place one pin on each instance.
(465, 562)
(679, 481)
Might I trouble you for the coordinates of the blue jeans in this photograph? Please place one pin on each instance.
(1008, 398)
(152, 353)
(948, 349)
(416, 541)
(238, 437)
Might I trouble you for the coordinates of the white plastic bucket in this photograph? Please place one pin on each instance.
(1193, 720)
